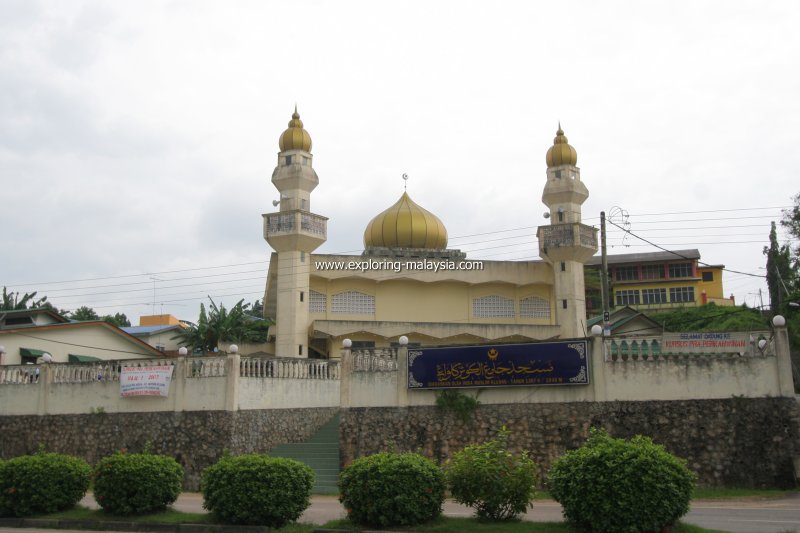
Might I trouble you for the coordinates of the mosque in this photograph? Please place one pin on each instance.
(407, 282)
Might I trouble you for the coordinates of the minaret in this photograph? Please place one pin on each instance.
(294, 232)
(566, 243)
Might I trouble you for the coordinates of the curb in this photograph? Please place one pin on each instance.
(108, 525)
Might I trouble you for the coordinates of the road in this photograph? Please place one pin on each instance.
(742, 515)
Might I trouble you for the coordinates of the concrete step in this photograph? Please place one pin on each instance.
(320, 452)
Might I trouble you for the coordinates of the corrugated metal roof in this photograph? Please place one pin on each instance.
(149, 330)
(646, 257)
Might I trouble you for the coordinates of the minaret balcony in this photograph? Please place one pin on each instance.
(295, 230)
(567, 242)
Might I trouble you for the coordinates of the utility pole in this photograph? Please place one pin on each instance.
(604, 276)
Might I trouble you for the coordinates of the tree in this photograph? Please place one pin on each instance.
(220, 324)
(779, 270)
(257, 310)
(12, 301)
(117, 319)
(791, 221)
(83, 313)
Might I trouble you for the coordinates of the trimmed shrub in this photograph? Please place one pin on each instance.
(136, 483)
(257, 489)
(492, 480)
(392, 489)
(615, 486)
(42, 483)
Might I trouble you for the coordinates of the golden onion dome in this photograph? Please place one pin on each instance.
(561, 153)
(406, 225)
(295, 137)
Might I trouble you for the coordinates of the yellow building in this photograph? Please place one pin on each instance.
(407, 282)
(660, 280)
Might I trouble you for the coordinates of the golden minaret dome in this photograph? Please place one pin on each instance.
(295, 137)
(561, 153)
(406, 225)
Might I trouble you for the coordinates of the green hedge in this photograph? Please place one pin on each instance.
(492, 480)
(42, 483)
(615, 486)
(257, 490)
(392, 489)
(137, 483)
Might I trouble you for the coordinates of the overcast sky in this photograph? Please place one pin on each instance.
(137, 138)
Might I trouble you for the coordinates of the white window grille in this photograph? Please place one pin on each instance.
(353, 303)
(681, 294)
(534, 307)
(318, 302)
(680, 270)
(493, 307)
(654, 296)
(630, 297)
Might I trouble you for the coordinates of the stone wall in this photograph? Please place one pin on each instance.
(735, 442)
(195, 438)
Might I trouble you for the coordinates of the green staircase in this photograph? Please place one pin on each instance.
(321, 453)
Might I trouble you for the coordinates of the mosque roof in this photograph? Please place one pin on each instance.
(295, 137)
(561, 153)
(406, 225)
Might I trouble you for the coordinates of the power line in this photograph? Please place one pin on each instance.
(676, 253)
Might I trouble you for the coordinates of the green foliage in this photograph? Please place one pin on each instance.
(616, 486)
(257, 489)
(711, 317)
(136, 483)
(791, 221)
(221, 324)
(392, 489)
(780, 276)
(117, 319)
(12, 301)
(83, 314)
(257, 310)
(42, 483)
(458, 403)
(492, 480)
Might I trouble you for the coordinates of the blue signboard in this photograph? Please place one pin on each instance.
(501, 365)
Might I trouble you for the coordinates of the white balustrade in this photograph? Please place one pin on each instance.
(256, 367)
(204, 367)
(19, 374)
(375, 360)
(654, 348)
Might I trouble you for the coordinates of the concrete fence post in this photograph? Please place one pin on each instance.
(597, 372)
(402, 376)
(783, 357)
(43, 381)
(232, 382)
(345, 374)
(179, 378)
